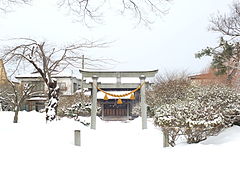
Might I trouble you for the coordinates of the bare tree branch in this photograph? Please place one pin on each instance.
(6, 5)
(89, 10)
(12, 95)
(227, 24)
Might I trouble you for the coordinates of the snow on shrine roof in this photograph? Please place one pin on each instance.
(37, 99)
(114, 80)
(100, 94)
(59, 75)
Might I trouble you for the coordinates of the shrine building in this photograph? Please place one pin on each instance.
(117, 92)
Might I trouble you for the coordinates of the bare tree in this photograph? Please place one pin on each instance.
(48, 61)
(227, 24)
(6, 5)
(226, 56)
(4, 100)
(143, 10)
(14, 94)
(225, 59)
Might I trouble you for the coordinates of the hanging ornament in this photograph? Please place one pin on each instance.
(132, 97)
(119, 101)
(105, 97)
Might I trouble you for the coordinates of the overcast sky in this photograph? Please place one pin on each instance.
(169, 45)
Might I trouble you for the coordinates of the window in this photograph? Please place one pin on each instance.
(75, 87)
(62, 86)
(39, 106)
(38, 85)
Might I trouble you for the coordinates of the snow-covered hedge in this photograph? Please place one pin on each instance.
(204, 111)
(136, 110)
(168, 89)
(79, 109)
(77, 104)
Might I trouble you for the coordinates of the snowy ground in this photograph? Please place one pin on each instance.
(34, 150)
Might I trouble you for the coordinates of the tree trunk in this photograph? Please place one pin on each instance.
(231, 76)
(53, 96)
(16, 110)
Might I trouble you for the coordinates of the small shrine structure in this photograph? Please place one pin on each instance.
(117, 92)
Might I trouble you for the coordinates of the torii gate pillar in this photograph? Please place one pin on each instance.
(143, 102)
(94, 102)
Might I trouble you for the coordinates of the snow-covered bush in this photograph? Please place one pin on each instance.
(204, 111)
(167, 89)
(136, 110)
(79, 109)
(77, 104)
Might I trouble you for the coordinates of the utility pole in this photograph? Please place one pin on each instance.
(82, 73)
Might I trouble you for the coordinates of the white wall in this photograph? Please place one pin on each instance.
(68, 80)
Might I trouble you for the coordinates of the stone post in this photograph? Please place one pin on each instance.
(143, 102)
(165, 139)
(77, 138)
(128, 108)
(94, 102)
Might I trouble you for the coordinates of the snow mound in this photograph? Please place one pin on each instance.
(34, 149)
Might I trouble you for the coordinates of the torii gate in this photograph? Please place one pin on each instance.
(142, 75)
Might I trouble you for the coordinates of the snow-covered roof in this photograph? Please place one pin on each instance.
(114, 80)
(37, 99)
(59, 75)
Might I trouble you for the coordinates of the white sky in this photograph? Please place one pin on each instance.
(169, 45)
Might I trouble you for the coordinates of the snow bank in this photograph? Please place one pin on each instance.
(34, 150)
